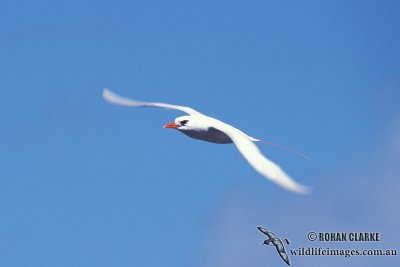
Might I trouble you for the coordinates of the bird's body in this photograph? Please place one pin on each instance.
(210, 134)
(206, 128)
(199, 126)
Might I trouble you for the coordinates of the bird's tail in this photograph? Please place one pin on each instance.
(281, 147)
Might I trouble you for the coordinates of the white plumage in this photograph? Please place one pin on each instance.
(199, 126)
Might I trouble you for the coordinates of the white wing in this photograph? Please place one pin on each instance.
(264, 166)
(113, 98)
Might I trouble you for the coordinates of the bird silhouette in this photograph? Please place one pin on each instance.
(273, 240)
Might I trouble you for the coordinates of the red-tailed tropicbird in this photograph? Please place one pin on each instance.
(199, 126)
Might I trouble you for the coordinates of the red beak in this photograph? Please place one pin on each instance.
(172, 125)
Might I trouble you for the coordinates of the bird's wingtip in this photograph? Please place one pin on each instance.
(106, 92)
(302, 189)
(115, 99)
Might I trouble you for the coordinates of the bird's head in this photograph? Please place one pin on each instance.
(181, 123)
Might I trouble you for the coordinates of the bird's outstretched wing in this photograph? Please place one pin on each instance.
(264, 166)
(284, 257)
(271, 235)
(113, 98)
(263, 230)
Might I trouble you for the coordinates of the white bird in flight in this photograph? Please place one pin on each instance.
(199, 126)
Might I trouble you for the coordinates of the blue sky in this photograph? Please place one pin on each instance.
(84, 183)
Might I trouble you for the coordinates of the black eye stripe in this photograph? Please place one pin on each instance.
(183, 123)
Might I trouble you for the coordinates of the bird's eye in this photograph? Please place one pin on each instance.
(183, 123)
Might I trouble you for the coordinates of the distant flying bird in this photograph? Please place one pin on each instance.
(273, 240)
(199, 126)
